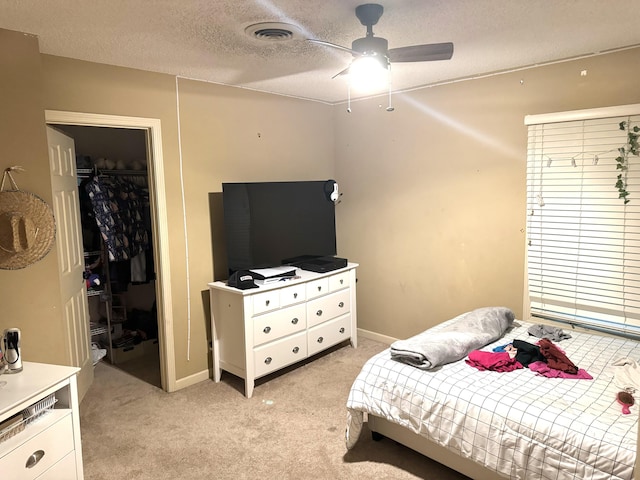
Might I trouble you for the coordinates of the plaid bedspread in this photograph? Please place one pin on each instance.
(517, 423)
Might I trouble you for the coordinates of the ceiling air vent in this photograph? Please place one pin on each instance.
(273, 32)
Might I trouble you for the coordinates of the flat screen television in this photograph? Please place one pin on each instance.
(269, 224)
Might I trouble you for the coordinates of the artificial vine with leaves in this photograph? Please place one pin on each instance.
(622, 160)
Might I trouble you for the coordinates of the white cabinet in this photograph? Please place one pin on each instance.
(260, 330)
(44, 444)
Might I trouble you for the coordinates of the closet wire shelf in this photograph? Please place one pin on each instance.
(97, 328)
(20, 421)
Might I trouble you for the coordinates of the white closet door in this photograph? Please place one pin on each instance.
(66, 208)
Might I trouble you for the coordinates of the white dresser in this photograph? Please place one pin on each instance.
(45, 446)
(260, 330)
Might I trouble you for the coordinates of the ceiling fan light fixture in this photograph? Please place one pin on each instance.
(369, 73)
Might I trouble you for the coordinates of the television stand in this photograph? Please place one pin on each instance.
(259, 331)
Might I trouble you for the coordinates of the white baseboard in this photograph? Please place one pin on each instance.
(205, 374)
(376, 336)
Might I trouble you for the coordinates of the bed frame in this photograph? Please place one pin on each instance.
(380, 426)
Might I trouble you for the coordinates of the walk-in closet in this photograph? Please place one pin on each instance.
(113, 189)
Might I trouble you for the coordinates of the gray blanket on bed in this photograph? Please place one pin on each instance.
(454, 339)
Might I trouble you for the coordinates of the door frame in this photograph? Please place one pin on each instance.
(158, 200)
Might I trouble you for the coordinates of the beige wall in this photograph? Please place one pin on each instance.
(29, 297)
(434, 192)
(226, 134)
(234, 135)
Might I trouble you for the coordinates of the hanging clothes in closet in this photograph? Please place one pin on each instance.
(118, 207)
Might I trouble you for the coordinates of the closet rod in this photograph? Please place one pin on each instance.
(91, 171)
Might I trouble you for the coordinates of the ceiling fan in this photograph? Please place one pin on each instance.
(377, 47)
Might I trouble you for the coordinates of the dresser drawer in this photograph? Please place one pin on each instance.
(278, 324)
(280, 353)
(328, 334)
(318, 287)
(293, 294)
(328, 307)
(266, 301)
(51, 445)
(63, 470)
(339, 281)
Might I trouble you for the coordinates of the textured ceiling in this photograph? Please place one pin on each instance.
(205, 39)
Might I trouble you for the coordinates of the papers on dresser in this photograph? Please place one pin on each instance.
(265, 276)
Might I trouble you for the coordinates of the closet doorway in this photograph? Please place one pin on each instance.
(130, 310)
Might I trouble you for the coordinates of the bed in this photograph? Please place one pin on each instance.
(513, 424)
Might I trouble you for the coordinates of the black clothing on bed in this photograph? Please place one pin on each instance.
(528, 353)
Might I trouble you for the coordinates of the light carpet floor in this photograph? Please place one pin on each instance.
(292, 428)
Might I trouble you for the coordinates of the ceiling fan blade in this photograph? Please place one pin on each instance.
(342, 72)
(422, 53)
(333, 45)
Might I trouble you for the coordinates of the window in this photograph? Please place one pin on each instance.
(583, 242)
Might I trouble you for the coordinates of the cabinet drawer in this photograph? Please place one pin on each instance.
(280, 353)
(274, 325)
(54, 442)
(318, 287)
(328, 334)
(63, 470)
(339, 281)
(292, 294)
(266, 301)
(328, 307)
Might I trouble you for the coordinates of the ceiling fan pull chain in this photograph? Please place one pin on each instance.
(349, 96)
(389, 107)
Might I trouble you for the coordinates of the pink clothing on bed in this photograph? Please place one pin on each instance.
(494, 361)
(543, 369)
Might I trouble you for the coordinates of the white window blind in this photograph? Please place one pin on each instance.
(583, 254)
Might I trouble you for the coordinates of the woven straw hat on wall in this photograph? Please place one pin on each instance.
(27, 227)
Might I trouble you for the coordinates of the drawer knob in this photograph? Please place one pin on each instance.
(320, 339)
(294, 321)
(342, 330)
(266, 329)
(268, 360)
(295, 295)
(296, 349)
(319, 313)
(319, 288)
(34, 458)
(341, 304)
(341, 281)
(267, 303)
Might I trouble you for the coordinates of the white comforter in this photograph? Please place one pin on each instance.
(519, 424)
